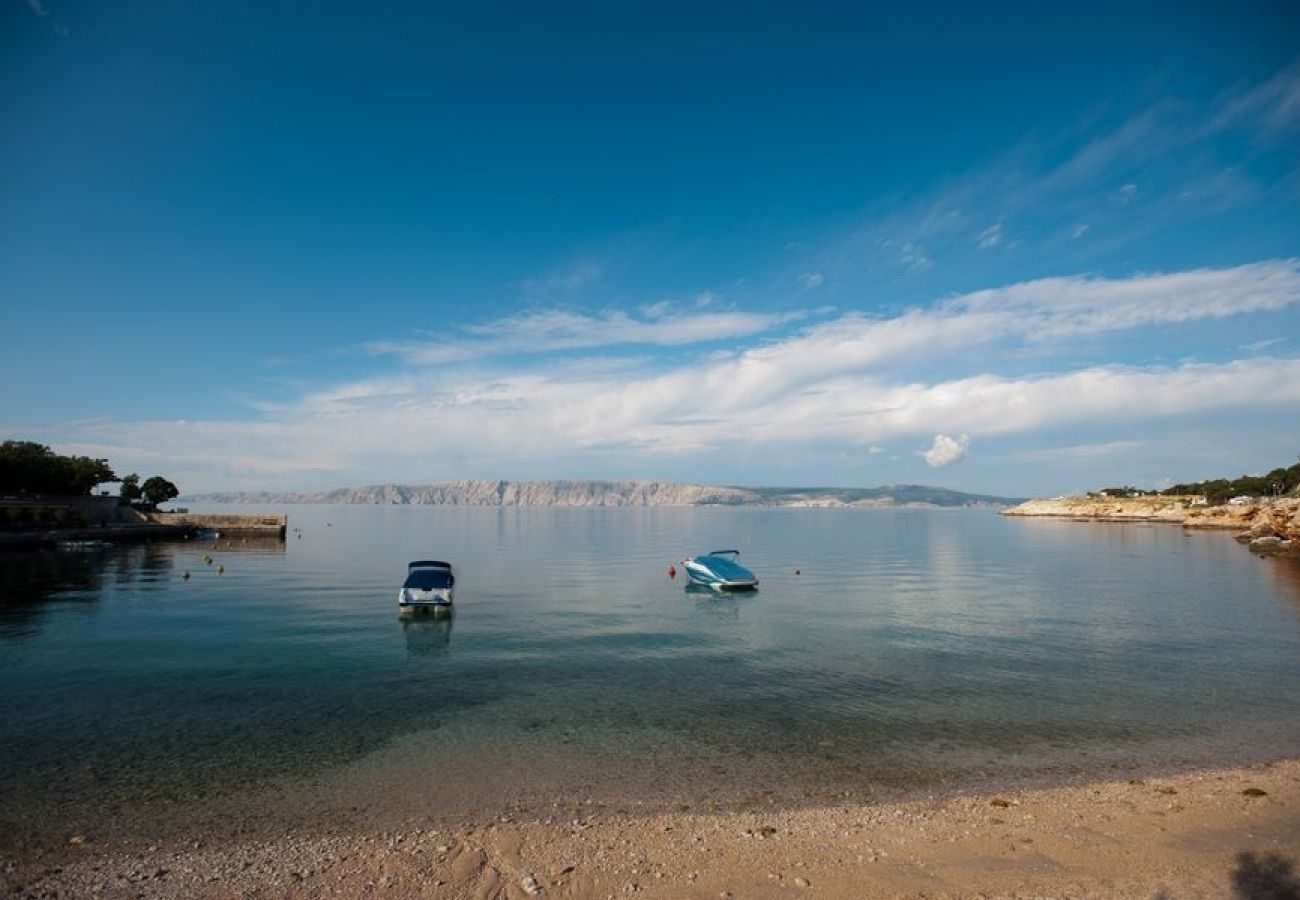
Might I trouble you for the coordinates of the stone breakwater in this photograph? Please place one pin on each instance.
(257, 525)
(1268, 526)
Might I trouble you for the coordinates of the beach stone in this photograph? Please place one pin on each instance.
(1267, 545)
(1261, 529)
(1254, 792)
(529, 884)
(1000, 803)
(802, 882)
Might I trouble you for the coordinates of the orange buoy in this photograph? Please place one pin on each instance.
(672, 571)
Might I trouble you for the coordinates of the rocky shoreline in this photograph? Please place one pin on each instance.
(1269, 527)
(1198, 834)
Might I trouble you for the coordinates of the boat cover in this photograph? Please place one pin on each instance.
(725, 568)
(429, 579)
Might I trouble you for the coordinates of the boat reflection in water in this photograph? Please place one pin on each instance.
(427, 631)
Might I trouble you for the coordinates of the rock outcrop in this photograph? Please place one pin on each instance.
(1269, 526)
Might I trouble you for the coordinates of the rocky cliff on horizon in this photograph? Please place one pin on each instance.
(613, 493)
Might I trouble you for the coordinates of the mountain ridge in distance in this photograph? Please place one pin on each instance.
(481, 492)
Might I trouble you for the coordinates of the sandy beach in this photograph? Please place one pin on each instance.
(1215, 833)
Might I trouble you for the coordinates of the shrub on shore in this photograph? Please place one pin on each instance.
(1277, 483)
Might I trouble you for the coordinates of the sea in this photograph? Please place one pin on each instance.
(886, 652)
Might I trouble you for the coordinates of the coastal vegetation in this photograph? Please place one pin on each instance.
(1280, 482)
(29, 468)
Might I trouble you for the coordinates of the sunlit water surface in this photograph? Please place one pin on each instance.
(892, 644)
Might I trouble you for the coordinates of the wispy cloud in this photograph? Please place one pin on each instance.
(1080, 451)
(1257, 346)
(991, 236)
(547, 331)
(1272, 107)
(38, 7)
(1160, 166)
(911, 255)
(810, 280)
(561, 282)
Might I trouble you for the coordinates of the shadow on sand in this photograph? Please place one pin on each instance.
(1266, 876)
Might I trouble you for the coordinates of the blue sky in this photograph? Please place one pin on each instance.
(1024, 249)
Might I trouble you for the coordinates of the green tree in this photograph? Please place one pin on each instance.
(131, 492)
(31, 467)
(157, 489)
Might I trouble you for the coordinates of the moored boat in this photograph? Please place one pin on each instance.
(720, 571)
(429, 584)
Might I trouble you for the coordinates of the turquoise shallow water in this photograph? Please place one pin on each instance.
(913, 643)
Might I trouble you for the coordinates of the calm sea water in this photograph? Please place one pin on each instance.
(911, 644)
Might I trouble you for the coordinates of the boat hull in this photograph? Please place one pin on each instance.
(700, 574)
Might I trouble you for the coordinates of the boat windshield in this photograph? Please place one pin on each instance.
(429, 579)
(726, 567)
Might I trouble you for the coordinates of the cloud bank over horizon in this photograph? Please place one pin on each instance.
(852, 381)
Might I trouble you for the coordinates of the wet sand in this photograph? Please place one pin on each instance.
(1216, 833)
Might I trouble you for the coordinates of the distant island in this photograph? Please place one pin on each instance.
(619, 493)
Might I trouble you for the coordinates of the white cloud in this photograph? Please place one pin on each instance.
(1126, 192)
(811, 280)
(38, 7)
(1079, 231)
(991, 236)
(525, 418)
(836, 382)
(947, 450)
(546, 331)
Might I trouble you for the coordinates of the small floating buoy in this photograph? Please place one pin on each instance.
(207, 559)
(672, 571)
(186, 576)
(221, 569)
(796, 571)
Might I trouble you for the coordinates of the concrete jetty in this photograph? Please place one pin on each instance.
(259, 525)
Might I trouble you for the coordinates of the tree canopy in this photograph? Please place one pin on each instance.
(26, 466)
(157, 489)
(130, 491)
(1278, 482)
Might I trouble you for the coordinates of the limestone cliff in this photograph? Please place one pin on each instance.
(615, 493)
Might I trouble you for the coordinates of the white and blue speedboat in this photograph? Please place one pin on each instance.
(720, 571)
(429, 585)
